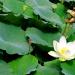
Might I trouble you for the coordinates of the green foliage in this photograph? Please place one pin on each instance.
(68, 67)
(69, 0)
(42, 70)
(18, 43)
(51, 67)
(38, 37)
(44, 10)
(18, 8)
(5, 68)
(24, 65)
(27, 31)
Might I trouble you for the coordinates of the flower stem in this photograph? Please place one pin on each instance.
(62, 1)
(66, 29)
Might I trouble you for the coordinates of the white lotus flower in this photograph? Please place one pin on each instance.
(63, 50)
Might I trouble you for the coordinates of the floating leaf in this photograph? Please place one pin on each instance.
(53, 64)
(44, 10)
(5, 69)
(39, 37)
(68, 68)
(17, 7)
(12, 39)
(24, 65)
(42, 70)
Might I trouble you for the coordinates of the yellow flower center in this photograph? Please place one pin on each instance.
(63, 50)
(63, 53)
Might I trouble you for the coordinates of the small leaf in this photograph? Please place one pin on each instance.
(60, 10)
(71, 33)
